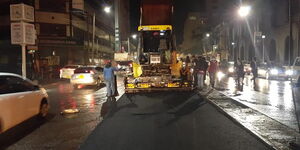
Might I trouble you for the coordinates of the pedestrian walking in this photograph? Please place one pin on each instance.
(212, 70)
(110, 80)
(205, 68)
(239, 67)
(195, 65)
(253, 66)
(201, 66)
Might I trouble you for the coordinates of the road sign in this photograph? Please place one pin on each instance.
(16, 33)
(21, 12)
(23, 33)
(29, 34)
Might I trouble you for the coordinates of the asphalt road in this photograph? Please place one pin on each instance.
(140, 121)
(160, 121)
(59, 131)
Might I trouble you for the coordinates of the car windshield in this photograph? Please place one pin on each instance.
(83, 70)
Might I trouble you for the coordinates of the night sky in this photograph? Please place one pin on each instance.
(181, 9)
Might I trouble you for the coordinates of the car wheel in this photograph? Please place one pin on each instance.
(43, 109)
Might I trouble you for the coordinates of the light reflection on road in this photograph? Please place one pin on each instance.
(84, 98)
(272, 97)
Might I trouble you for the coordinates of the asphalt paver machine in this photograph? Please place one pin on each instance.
(156, 67)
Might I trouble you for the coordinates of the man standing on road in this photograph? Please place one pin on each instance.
(253, 66)
(212, 70)
(239, 67)
(109, 78)
(201, 66)
(195, 65)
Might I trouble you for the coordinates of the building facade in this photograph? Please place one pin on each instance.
(269, 18)
(68, 32)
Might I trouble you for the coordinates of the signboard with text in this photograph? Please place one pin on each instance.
(21, 12)
(16, 33)
(23, 33)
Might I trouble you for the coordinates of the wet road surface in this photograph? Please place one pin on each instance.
(60, 131)
(273, 98)
(177, 121)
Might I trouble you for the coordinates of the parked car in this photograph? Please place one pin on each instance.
(67, 71)
(90, 75)
(20, 99)
(270, 71)
(295, 70)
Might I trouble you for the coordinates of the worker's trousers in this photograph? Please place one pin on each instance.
(200, 76)
(110, 87)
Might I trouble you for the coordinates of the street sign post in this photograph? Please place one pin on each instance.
(22, 33)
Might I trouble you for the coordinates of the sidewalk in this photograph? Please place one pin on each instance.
(270, 131)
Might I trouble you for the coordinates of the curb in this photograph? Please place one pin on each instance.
(271, 132)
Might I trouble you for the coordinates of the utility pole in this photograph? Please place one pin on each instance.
(291, 31)
(117, 31)
(128, 41)
(93, 38)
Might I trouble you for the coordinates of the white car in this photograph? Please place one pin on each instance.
(295, 70)
(90, 75)
(20, 99)
(67, 71)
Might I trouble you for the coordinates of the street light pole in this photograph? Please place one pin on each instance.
(263, 47)
(93, 43)
(128, 41)
(291, 31)
(117, 31)
(243, 11)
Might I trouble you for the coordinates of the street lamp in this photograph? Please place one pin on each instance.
(107, 9)
(244, 11)
(134, 36)
(207, 35)
(263, 46)
(232, 43)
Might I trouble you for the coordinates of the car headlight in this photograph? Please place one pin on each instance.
(192, 70)
(231, 70)
(289, 72)
(274, 71)
(220, 75)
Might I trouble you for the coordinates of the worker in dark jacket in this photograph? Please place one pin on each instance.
(253, 66)
(212, 70)
(239, 67)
